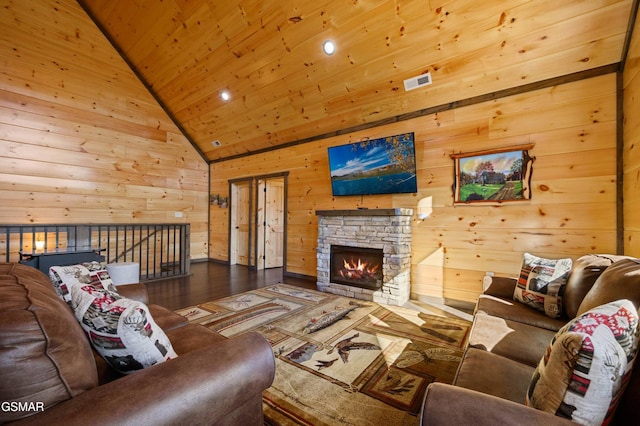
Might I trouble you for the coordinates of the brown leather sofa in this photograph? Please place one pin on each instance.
(508, 340)
(50, 375)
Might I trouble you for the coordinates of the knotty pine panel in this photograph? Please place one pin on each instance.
(562, 191)
(563, 241)
(81, 139)
(539, 216)
(572, 212)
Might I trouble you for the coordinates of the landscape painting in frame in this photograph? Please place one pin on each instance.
(495, 176)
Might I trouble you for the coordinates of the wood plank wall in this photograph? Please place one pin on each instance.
(81, 139)
(572, 211)
(631, 146)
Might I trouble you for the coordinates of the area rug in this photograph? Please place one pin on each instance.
(341, 360)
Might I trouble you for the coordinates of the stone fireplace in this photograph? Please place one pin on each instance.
(365, 254)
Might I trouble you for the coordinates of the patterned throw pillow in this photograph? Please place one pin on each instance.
(92, 274)
(542, 282)
(587, 365)
(121, 330)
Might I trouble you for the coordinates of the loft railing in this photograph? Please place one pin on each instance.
(162, 250)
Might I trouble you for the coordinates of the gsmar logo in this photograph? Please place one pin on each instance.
(18, 406)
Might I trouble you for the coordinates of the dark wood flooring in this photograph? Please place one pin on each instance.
(212, 280)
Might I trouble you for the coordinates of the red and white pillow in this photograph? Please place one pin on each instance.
(121, 330)
(542, 282)
(587, 365)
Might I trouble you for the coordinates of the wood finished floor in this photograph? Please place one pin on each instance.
(211, 280)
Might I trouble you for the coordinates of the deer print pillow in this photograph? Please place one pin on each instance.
(121, 330)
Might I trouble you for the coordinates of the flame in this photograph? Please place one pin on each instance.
(358, 269)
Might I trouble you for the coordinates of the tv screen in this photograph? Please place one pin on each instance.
(375, 166)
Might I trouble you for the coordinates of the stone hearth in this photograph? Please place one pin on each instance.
(386, 229)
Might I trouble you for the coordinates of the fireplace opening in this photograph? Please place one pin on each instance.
(356, 266)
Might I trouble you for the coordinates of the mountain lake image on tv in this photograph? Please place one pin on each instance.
(375, 166)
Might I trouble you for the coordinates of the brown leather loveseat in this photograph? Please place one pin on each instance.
(50, 375)
(509, 339)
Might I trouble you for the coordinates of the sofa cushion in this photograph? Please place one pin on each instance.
(516, 311)
(493, 374)
(587, 365)
(541, 283)
(501, 287)
(121, 330)
(584, 274)
(619, 281)
(514, 340)
(44, 356)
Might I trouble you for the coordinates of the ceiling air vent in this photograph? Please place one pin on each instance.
(216, 143)
(419, 81)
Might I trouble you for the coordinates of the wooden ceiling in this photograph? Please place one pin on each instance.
(285, 90)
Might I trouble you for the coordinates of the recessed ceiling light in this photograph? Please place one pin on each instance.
(329, 47)
(225, 95)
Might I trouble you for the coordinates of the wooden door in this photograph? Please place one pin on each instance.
(239, 242)
(271, 223)
(274, 228)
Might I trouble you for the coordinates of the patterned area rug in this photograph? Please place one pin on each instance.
(340, 360)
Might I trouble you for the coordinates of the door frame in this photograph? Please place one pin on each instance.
(253, 203)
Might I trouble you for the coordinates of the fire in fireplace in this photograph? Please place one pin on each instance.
(356, 266)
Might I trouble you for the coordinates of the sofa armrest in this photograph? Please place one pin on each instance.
(199, 387)
(502, 287)
(451, 405)
(134, 291)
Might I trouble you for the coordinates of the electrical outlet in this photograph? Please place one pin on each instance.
(178, 214)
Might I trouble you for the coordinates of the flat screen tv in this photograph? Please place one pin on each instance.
(375, 166)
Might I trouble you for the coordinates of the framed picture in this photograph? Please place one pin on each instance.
(493, 176)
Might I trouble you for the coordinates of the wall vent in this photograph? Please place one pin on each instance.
(419, 81)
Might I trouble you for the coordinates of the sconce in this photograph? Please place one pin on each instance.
(39, 245)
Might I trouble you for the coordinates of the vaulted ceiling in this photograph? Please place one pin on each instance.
(285, 90)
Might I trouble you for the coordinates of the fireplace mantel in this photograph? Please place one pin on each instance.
(366, 212)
